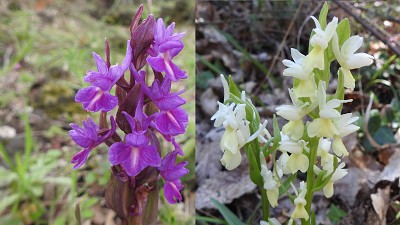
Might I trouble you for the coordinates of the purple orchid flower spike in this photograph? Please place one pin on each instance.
(165, 47)
(88, 138)
(172, 174)
(135, 154)
(97, 97)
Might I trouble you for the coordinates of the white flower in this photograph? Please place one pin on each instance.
(324, 145)
(337, 175)
(271, 181)
(297, 160)
(323, 126)
(319, 41)
(344, 125)
(348, 59)
(271, 221)
(306, 85)
(300, 211)
(222, 112)
(281, 163)
(295, 68)
(295, 113)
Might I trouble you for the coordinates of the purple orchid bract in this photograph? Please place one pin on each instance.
(142, 111)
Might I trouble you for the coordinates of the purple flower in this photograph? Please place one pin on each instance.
(172, 174)
(97, 97)
(164, 48)
(135, 153)
(161, 95)
(88, 138)
(171, 191)
(172, 122)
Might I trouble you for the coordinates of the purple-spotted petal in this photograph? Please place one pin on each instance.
(171, 191)
(169, 45)
(101, 65)
(161, 64)
(169, 171)
(119, 152)
(98, 80)
(157, 63)
(150, 156)
(137, 139)
(86, 94)
(178, 148)
(176, 73)
(94, 99)
(172, 122)
(81, 140)
(80, 158)
(128, 57)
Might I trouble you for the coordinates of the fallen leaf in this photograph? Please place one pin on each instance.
(380, 202)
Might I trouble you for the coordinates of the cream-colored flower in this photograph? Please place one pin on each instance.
(282, 164)
(324, 146)
(300, 211)
(319, 41)
(271, 181)
(323, 126)
(344, 125)
(350, 60)
(306, 85)
(295, 113)
(337, 175)
(297, 160)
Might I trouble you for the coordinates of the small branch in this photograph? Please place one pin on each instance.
(372, 29)
(366, 120)
(279, 49)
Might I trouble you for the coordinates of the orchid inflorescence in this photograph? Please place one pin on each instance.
(314, 147)
(142, 111)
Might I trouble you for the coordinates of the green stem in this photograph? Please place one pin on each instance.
(310, 178)
(265, 203)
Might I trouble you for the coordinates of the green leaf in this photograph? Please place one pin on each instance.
(255, 175)
(60, 220)
(8, 200)
(28, 141)
(339, 94)
(7, 176)
(384, 135)
(343, 31)
(209, 219)
(63, 181)
(5, 156)
(277, 133)
(86, 210)
(233, 88)
(230, 217)
(335, 214)
(322, 15)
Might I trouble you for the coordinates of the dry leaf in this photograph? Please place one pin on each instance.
(380, 202)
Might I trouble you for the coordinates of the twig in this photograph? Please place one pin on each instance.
(366, 120)
(374, 31)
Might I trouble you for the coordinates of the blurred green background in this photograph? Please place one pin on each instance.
(45, 51)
